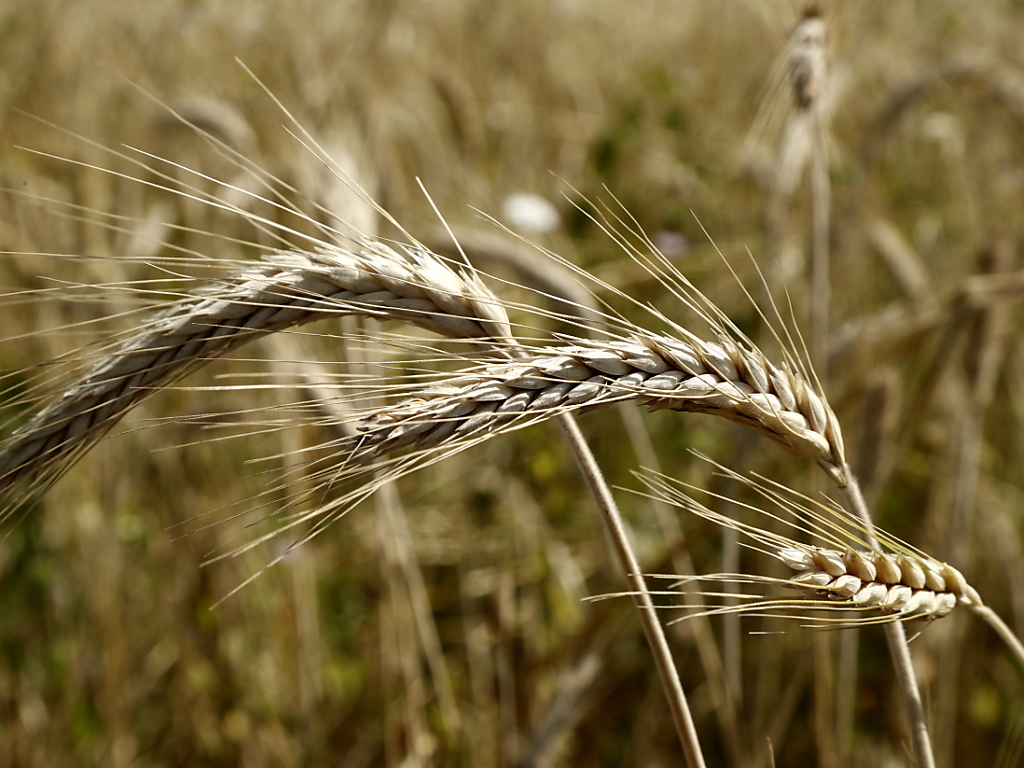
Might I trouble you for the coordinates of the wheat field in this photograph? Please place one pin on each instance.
(338, 523)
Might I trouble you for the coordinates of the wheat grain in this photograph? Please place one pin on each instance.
(894, 584)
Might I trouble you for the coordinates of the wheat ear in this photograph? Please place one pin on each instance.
(287, 289)
(721, 378)
(891, 580)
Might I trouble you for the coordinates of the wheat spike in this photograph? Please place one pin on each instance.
(286, 290)
(889, 581)
(694, 376)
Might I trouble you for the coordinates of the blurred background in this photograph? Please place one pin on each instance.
(885, 142)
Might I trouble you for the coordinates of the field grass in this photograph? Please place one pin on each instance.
(446, 622)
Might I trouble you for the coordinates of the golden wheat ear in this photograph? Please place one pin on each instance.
(841, 571)
(286, 290)
(623, 361)
(720, 378)
(867, 575)
(226, 303)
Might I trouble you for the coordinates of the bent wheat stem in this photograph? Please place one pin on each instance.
(641, 596)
